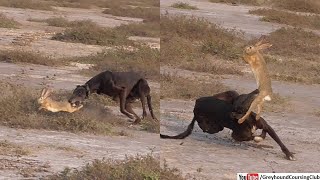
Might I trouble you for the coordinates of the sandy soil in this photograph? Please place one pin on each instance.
(53, 151)
(217, 156)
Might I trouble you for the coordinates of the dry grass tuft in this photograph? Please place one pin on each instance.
(246, 2)
(6, 22)
(182, 5)
(196, 44)
(310, 6)
(10, 149)
(147, 29)
(292, 19)
(14, 56)
(181, 88)
(148, 14)
(138, 168)
(29, 4)
(88, 32)
(144, 60)
(316, 113)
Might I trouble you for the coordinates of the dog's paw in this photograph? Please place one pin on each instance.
(291, 158)
(257, 139)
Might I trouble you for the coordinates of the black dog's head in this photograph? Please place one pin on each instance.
(79, 95)
(242, 103)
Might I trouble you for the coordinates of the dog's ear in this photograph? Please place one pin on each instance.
(255, 91)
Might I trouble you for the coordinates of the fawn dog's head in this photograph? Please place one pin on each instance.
(254, 49)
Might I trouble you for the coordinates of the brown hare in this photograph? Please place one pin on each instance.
(54, 106)
(252, 56)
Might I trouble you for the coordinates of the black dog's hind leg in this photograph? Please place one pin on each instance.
(122, 96)
(262, 124)
(261, 137)
(150, 107)
(144, 91)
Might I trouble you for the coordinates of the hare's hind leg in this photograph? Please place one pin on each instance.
(252, 106)
(259, 110)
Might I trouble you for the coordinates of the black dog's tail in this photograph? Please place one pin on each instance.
(182, 135)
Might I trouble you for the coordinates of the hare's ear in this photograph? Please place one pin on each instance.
(259, 43)
(43, 92)
(47, 93)
(264, 46)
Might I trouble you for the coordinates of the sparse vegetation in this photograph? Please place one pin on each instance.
(90, 33)
(182, 88)
(10, 149)
(137, 168)
(6, 22)
(293, 19)
(182, 5)
(196, 44)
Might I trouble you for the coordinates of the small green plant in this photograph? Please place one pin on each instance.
(182, 5)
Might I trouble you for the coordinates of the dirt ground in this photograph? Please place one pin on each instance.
(51, 151)
(205, 156)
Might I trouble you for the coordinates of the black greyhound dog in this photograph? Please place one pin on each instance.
(127, 86)
(223, 110)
